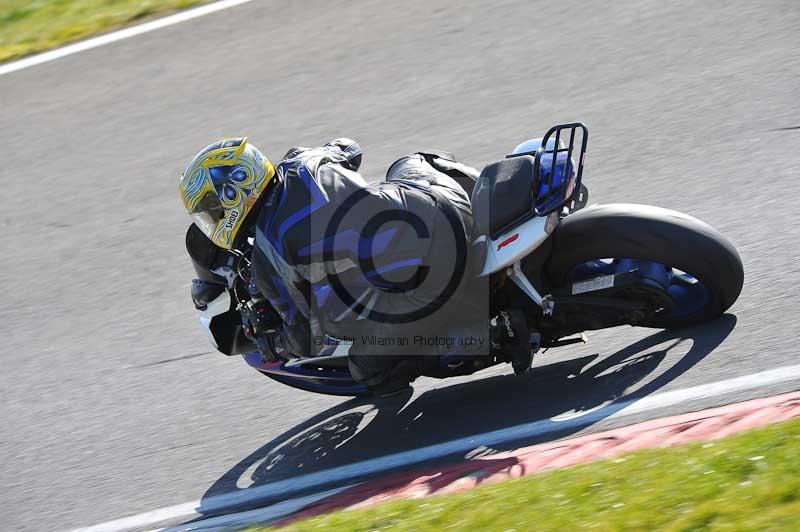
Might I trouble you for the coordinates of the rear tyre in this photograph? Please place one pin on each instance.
(654, 234)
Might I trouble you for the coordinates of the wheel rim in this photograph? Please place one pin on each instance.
(688, 292)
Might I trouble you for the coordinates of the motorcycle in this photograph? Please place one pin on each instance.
(573, 268)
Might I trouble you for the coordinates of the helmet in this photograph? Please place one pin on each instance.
(221, 185)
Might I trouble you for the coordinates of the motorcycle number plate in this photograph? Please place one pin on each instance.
(597, 283)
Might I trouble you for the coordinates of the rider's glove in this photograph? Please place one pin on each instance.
(351, 151)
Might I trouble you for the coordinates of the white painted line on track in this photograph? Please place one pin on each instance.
(261, 515)
(542, 427)
(119, 35)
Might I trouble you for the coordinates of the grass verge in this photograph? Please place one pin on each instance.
(31, 26)
(747, 482)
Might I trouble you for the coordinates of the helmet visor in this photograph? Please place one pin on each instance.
(207, 213)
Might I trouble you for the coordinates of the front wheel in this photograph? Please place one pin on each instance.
(702, 271)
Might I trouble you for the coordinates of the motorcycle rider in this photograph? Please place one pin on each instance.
(379, 264)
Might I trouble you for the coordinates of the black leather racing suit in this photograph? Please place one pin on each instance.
(372, 263)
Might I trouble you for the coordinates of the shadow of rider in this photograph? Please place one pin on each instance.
(361, 429)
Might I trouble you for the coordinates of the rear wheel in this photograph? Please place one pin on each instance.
(698, 267)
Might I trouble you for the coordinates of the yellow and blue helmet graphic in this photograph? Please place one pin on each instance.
(220, 186)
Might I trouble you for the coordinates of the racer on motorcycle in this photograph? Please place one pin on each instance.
(339, 258)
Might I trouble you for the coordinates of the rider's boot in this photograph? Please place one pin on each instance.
(514, 339)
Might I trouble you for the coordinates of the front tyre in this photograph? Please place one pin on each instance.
(705, 268)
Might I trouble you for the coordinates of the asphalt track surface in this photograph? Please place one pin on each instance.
(112, 401)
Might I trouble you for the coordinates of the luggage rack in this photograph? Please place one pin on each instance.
(548, 198)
